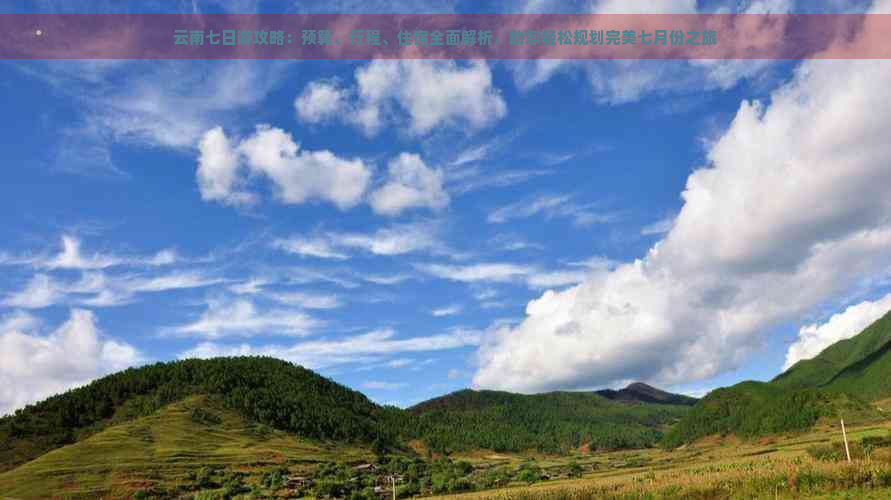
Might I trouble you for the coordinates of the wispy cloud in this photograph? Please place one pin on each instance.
(384, 386)
(505, 272)
(449, 310)
(392, 240)
(242, 318)
(550, 207)
(369, 347)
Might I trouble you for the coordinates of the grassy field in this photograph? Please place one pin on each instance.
(163, 452)
(777, 467)
(197, 449)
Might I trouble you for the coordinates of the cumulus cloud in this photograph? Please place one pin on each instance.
(789, 213)
(813, 338)
(320, 101)
(35, 366)
(297, 176)
(218, 170)
(411, 184)
(430, 94)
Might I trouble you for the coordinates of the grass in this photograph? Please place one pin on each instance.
(163, 451)
(717, 468)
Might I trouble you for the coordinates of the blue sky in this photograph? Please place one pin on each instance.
(410, 228)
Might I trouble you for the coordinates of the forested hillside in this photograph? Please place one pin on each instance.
(265, 390)
(296, 400)
(552, 422)
(837, 382)
(751, 409)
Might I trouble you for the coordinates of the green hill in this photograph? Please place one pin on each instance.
(837, 382)
(752, 409)
(263, 390)
(552, 422)
(860, 365)
(194, 444)
(287, 398)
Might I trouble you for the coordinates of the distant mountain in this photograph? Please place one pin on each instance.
(553, 422)
(837, 382)
(860, 365)
(643, 393)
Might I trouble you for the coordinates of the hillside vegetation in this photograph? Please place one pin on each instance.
(289, 398)
(836, 383)
(263, 390)
(194, 444)
(552, 422)
(860, 365)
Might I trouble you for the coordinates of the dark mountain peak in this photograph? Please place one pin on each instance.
(639, 392)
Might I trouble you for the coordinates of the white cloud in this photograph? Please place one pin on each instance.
(241, 318)
(40, 292)
(400, 363)
(429, 94)
(504, 272)
(316, 354)
(410, 184)
(218, 170)
(551, 206)
(449, 310)
(497, 272)
(320, 101)
(622, 81)
(790, 213)
(97, 289)
(309, 247)
(395, 239)
(384, 386)
(252, 286)
(37, 366)
(307, 300)
(71, 257)
(297, 176)
(813, 338)
(165, 103)
(556, 279)
(386, 280)
(661, 226)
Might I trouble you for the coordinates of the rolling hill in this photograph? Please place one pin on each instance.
(837, 382)
(194, 444)
(263, 390)
(141, 408)
(551, 422)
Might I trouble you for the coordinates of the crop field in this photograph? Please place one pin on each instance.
(779, 467)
